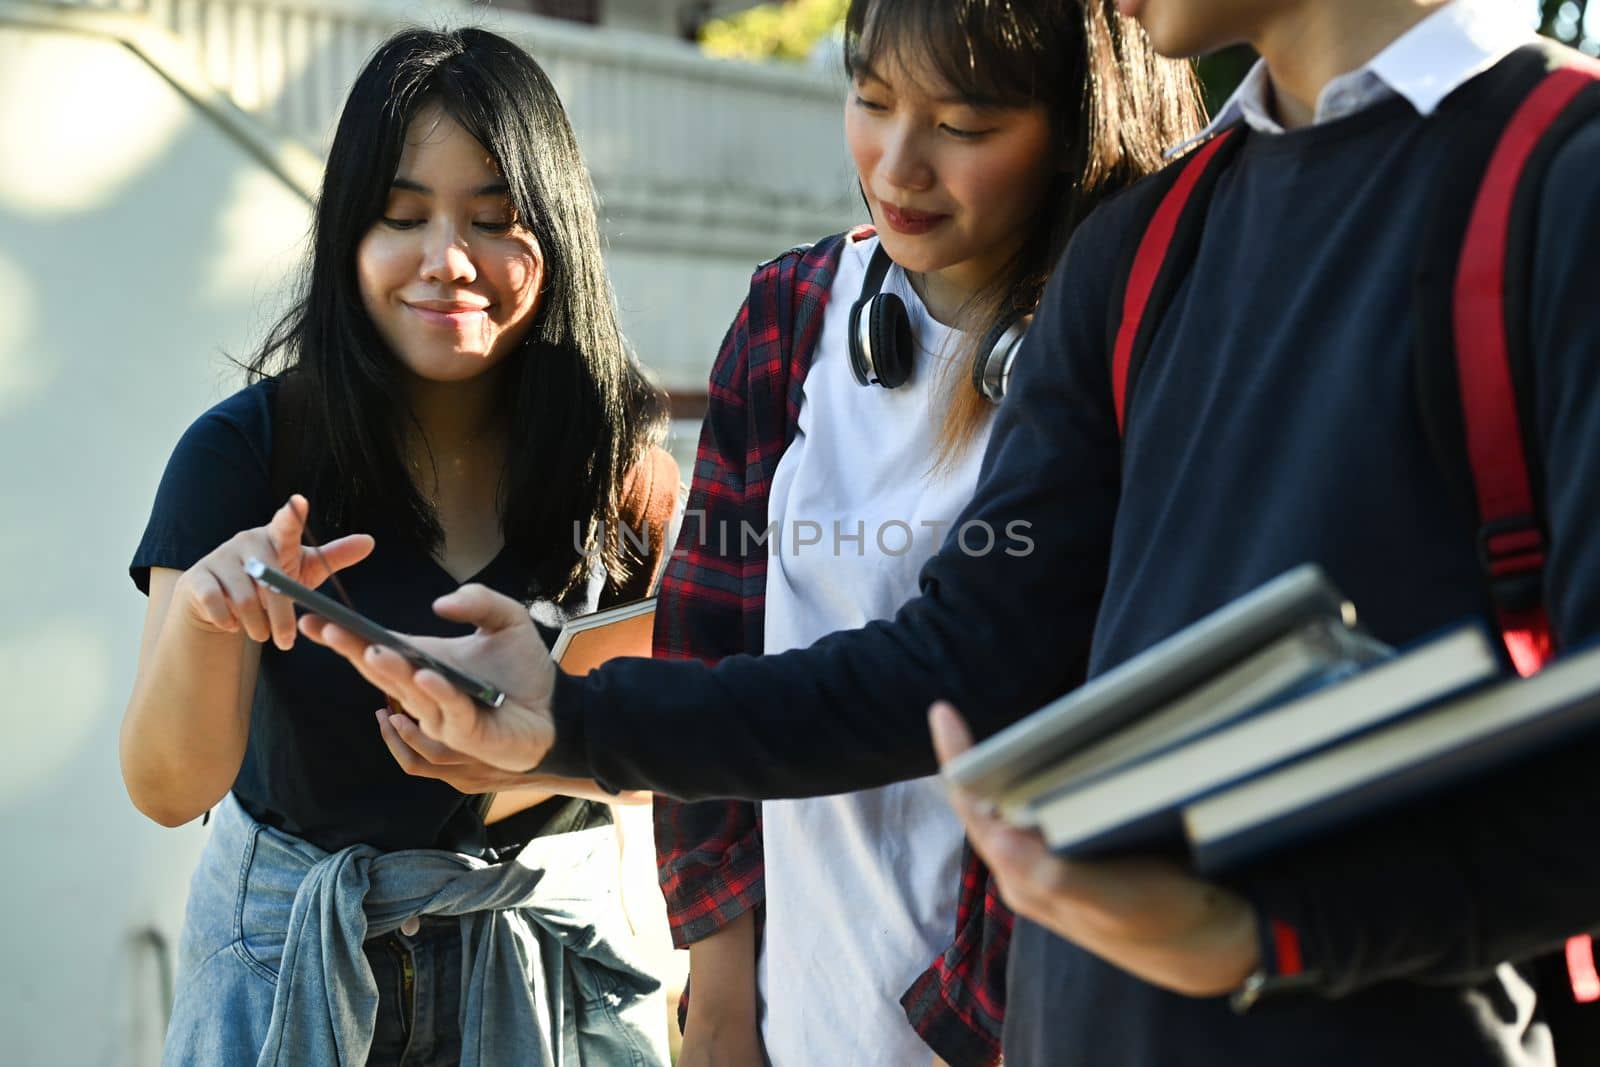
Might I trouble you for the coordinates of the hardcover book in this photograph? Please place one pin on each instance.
(586, 641)
(1153, 679)
(1454, 742)
(1140, 805)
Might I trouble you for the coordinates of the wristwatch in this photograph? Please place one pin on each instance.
(1263, 985)
(1283, 970)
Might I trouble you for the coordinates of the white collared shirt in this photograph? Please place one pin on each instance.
(1425, 64)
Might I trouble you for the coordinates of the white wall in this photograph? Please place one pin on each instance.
(675, 308)
(137, 242)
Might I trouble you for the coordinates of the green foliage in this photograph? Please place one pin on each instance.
(788, 30)
(1564, 21)
(1221, 72)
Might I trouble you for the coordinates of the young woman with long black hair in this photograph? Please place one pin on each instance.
(453, 379)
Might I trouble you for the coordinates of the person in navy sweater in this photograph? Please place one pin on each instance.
(1276, 422)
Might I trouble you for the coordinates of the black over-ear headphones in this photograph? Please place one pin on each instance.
(882, 350)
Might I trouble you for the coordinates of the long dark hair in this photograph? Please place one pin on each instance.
(578, 409)
(1114, 105)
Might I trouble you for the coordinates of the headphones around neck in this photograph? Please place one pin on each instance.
(882, 351)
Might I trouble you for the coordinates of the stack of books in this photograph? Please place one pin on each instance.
(1270, 721)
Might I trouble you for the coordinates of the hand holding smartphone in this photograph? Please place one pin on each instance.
(365, 628)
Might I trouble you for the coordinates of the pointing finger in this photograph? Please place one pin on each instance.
(286, 529)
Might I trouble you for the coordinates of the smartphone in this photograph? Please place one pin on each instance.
(363, 627)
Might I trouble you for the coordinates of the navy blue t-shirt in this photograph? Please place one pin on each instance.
(316, 765)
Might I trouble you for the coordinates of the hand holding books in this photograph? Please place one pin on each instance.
(1267, 724)
(1260, 727)
(1148, 916)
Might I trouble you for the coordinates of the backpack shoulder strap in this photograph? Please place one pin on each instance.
(1489, 337)
(1475, 375)
(1161, 259)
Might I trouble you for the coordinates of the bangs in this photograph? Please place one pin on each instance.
(989, 52)
(487, 124)
(465, 98)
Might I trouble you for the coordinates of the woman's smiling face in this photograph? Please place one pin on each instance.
(954, 188)
(450, 276)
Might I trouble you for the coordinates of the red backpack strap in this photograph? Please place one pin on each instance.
(1493, 370)
(1161, 260)
(1490, 343)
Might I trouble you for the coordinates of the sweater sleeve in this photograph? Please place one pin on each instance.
(1506, 869)
(998, 631)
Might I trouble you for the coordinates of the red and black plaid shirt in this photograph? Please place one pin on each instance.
(711, 604)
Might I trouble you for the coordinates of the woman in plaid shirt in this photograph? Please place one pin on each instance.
(981, 134)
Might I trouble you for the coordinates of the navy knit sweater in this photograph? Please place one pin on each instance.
(1276, 421)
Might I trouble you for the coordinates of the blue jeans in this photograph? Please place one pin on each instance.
(419, 995)
(574, 997)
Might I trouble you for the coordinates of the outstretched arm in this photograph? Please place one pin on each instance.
(1002, 624)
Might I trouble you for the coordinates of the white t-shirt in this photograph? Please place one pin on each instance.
(860, 888)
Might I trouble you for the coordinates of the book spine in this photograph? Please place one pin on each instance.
(1157, 831)
(1428, 776)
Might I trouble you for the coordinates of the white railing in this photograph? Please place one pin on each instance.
(681, 147)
